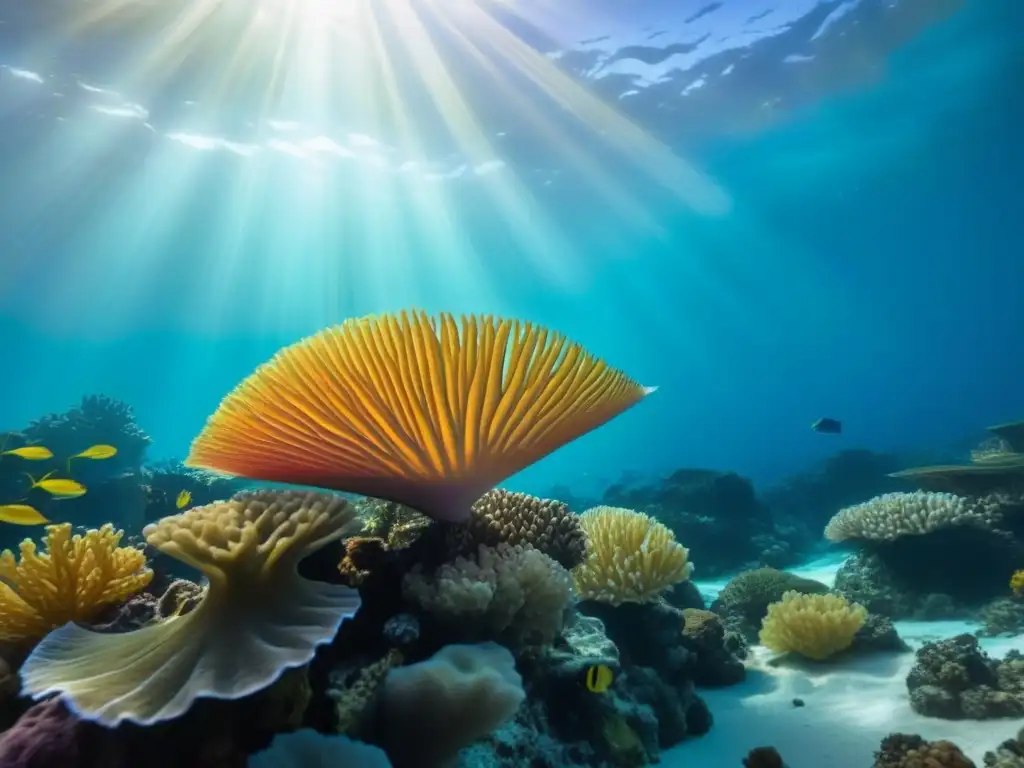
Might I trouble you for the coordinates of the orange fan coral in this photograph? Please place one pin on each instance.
(428, 412)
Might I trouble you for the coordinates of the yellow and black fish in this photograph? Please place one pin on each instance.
(599, 678)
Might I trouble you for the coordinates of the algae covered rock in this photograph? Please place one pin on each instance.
(955, 679)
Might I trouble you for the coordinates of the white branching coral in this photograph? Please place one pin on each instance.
(887, 517)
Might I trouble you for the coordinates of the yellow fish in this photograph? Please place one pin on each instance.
(21, 514)
(30, 452)
(100, 451)
(183, 499)
(599, 678)
(63, 488)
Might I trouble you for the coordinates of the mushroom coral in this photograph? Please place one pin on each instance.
(258, 618)
(425, 411)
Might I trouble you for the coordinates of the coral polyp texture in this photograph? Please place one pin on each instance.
(427, 411)
(71, 580)
(631, 557)
(518, 518)
(814, 626)
(504, 590)
(258, 617)
(887, 517)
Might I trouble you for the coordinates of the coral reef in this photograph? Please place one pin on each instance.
(892, 515)
(713, 512)
(164, 481)
(1003, 616)
(507, 591)
(814, 626)
(631, 557)
(955, 679)
(744, 601)
(430, 710)
(72, 580)
(258, 616)
(112, 484)
(909, 540)
(1009, 754)
(900, 750)
(467, 404)
(897, 593)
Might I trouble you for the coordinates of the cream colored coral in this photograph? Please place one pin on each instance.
(504, 588)
(815, 626)
(631, 557)
(257, 618)
(75, 577)
(892, 515)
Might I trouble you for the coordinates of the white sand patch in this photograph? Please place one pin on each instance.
(849, 707)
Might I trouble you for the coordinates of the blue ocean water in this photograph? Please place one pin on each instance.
(865, 263)
(774, 212)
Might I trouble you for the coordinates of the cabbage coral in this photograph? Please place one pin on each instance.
(631, 557)
(74, 578)
(815, 626)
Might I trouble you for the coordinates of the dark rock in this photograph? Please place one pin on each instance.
(956, 679)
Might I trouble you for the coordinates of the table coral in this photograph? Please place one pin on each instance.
(258, 617)
(71, 580)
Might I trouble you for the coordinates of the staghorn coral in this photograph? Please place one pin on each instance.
(518, 518)
(504, 590)
(258, 617)
(891, 515)
(631, 557)
(814, 626)
(425, 411)
(901, 750)
(71, 581)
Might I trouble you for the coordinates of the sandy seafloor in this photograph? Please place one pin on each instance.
(849, 707)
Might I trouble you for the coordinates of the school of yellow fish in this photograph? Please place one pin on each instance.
(20, 513)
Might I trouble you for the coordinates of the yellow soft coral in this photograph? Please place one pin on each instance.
(631, 557)
(75, 577)
(1017, 582)
(815, 626)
